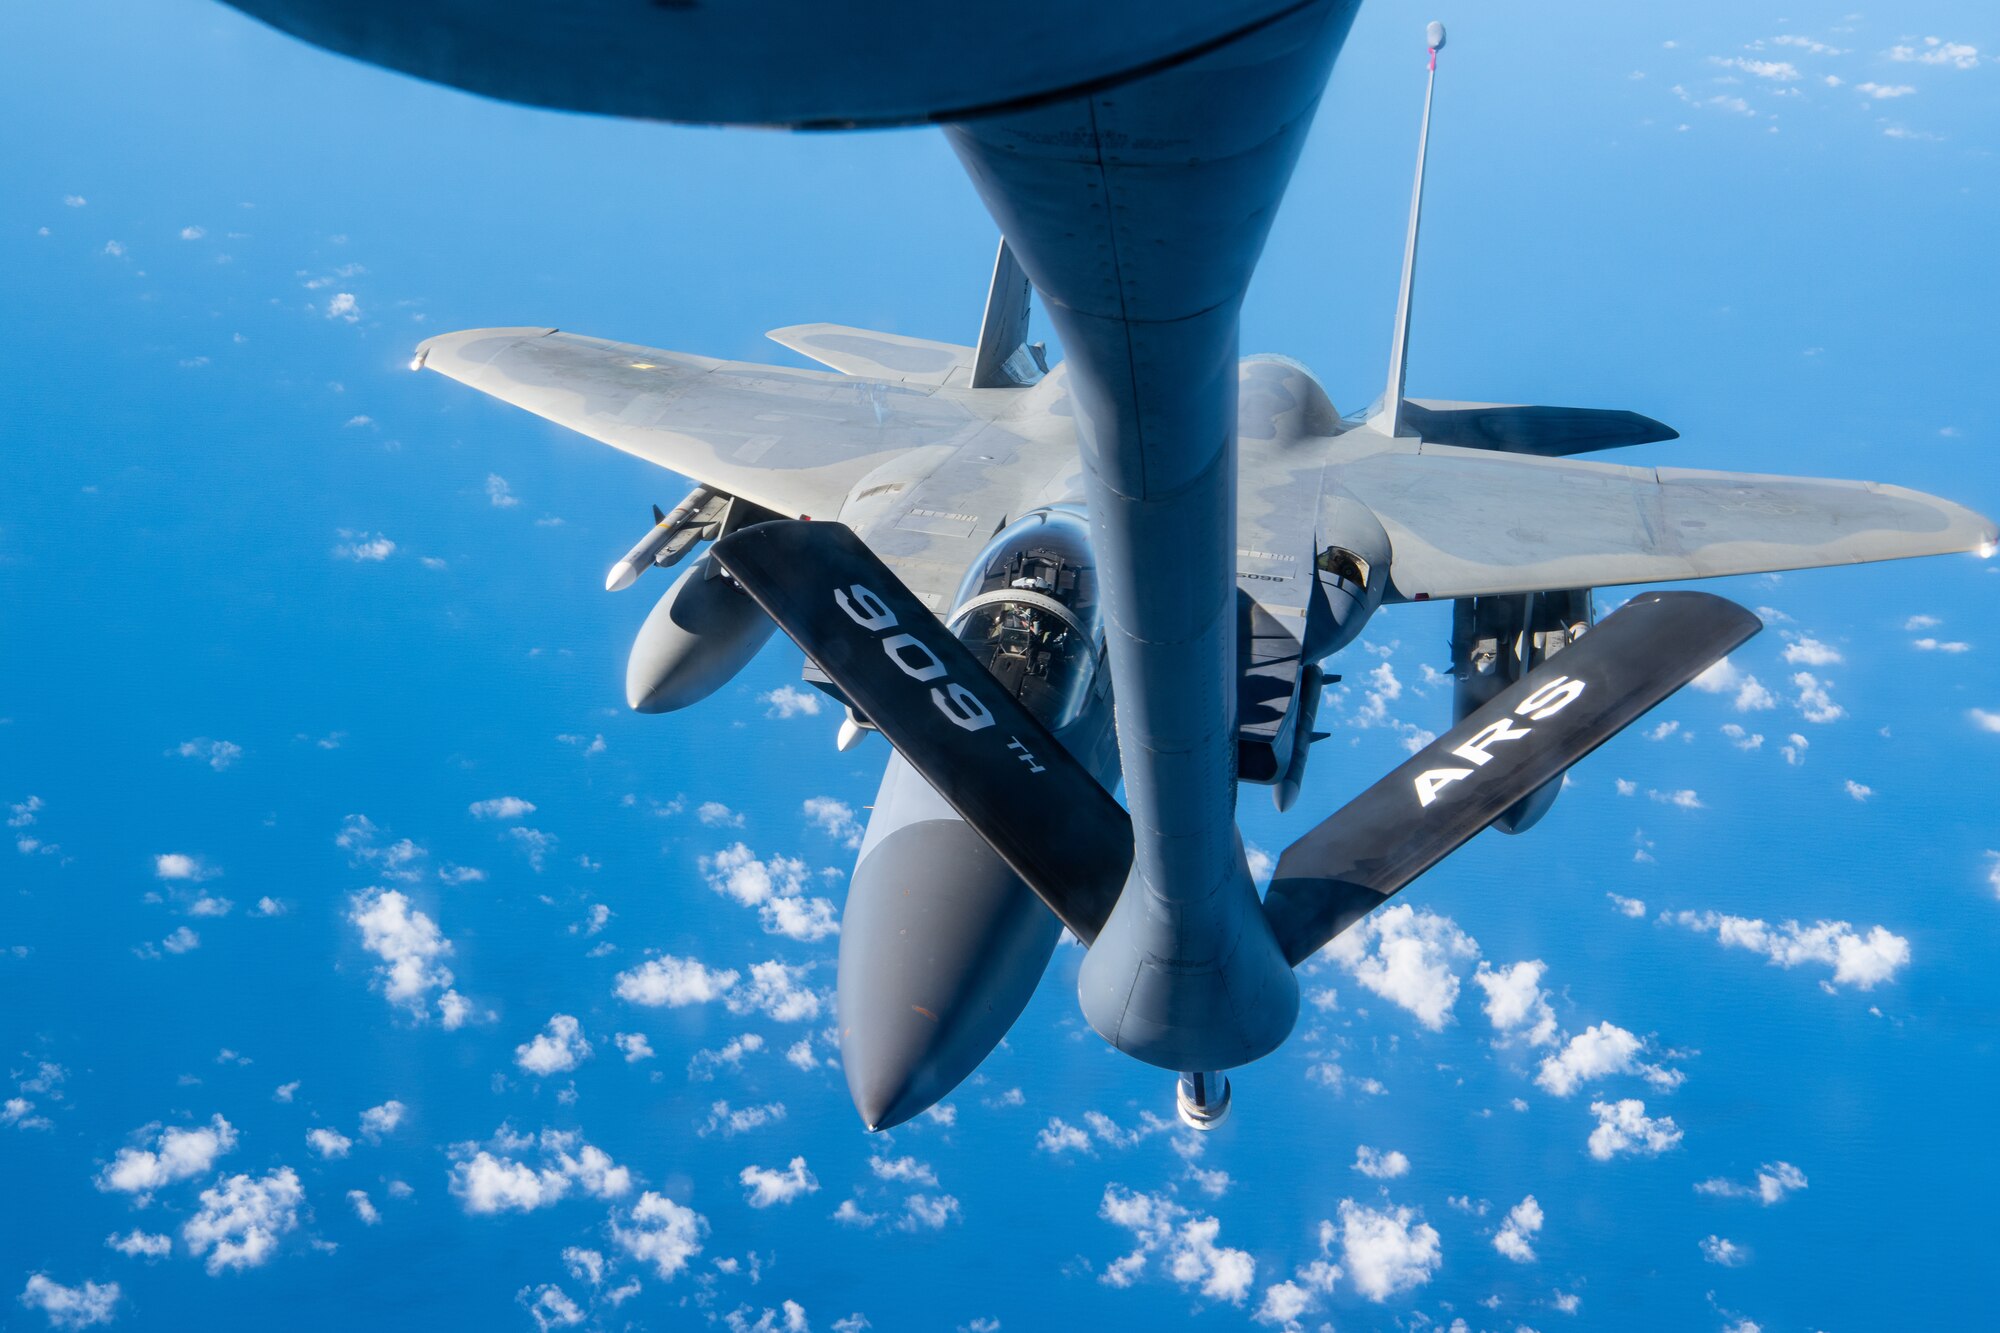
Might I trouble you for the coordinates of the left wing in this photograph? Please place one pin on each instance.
(798, 442)
(1470, 522)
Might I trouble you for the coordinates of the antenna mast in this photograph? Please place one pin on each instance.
(1389, 418)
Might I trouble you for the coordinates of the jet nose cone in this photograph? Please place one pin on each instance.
(940, 949)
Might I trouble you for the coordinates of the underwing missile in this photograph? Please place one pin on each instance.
(667, 540)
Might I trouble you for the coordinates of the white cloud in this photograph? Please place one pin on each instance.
(1780, 71)
(673, 982)
(790, 701)
(363, 547)
(360, 838)
(776, 888)
(1515, 1239)
(703, 1066)
(1936, 51)
(1774, 1181)
(717, 815)
(1815, 699)
(1386, 1251)
(378, 1121)
(1795, 749)
(1915, 623)
(634, 1045)
(364, 1207)
(71, 1307)
(328, 1143)
(218, 755)
(1632, 907)
(343, 306)
(902, 1171)
(180, 866)
(1725, 677)
(1516, 1002)
(490, 1184)
(1406, 957)
(498, 493)
(534, 844)
(1728, 1253)
(765, 1187)
(1684, 799)
(1993, 872)
(1811, 652)
(1662, 731)
(137, 1244)
(1059, 1137)
(662, 1233)
(777, 991)
(1185, 1243)
(501, 807)
(557, 1049)
(1600, 1052)
(1883, 91)
(1624, 1126)
(1857, 960)
(1984, 720)
(176, 1154)
(412, 950)
(1380, 1165)
(729, 1121)
(1741, 738)
(1859, 791)
(19, 1112)
(928, 1212)
(1928, 645)
(241, 1219)
(835, 819)
(182, 940)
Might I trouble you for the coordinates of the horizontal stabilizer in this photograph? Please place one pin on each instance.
(1525, 737)
(875, 356)
(1011, 781)
(1514, 428)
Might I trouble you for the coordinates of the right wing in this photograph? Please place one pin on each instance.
(1469, 522)
(795, 441)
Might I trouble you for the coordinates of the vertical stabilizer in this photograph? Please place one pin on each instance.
(1389, 417)
(1004, 359)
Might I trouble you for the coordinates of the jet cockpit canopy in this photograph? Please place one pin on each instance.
(1028, 610)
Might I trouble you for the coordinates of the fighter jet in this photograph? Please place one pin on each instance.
(1036, 581)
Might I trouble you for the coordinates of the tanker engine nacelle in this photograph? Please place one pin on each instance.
(705, 629)
(1497, 640)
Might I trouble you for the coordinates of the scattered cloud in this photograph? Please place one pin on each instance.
(764, 1187)
(788, 701)
(1185, 1243)
(180, 866)
(1862, 961)
(328, 1143)
(501, 807)
(137, 1244)
(498, 494)
(176, 1154)
(1725, 677)
(218, 755)
(1515, 1239)
(634, 1045)
(1859, 791)
(1928, 645)
(1407, 957)
(71, 1307)
(1811, 652)
(1623, 1126)
(1632, 907)
(729, 1121)
(242, 1218)
(363, 547)
(1774, 1181)
(1380, 1165)
(379, 1121)
(776, 888)
(1728, 1253)
(1516, 1002)
(1983, 719)
(1883, 91)
(703, 1067)
(835, 819)
(662, 1233)
(674, 982)
(1936, 51)
(1386, 1251)
(412, 950)
(559, 1048)
(1815, 698)
(1599, 1052)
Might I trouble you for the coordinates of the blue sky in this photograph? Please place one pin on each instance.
(336, 849)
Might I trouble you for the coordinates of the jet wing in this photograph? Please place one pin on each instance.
(881, 356)
(1469, 522)
(795, 441)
